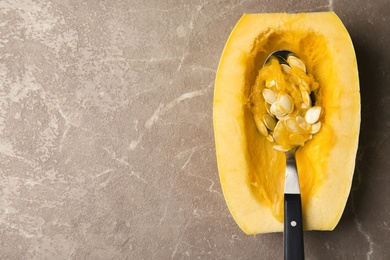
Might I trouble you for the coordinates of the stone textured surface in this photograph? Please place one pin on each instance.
(106, 138)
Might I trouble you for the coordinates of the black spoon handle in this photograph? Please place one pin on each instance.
(293, 231)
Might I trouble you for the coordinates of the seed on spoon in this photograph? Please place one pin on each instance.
(297, 139)
(306, 99)
(315, 128)
(285, 68)
(313, 114)
(304, 106)
(260, 126)
(267, 107)
(302, 123)
(286, 103)
(269, 95)
(280, 148)
(304, 87)
(283, 117)
(296, 62)
(292, 125)
(276, 110)
(280, 133)
(270, 84)
(270, 138)
(269, 121)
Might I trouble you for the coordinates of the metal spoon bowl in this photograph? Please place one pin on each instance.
(280, 55)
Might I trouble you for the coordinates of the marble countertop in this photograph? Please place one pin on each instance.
(106, 136)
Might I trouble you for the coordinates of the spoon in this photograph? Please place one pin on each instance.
(293, 231)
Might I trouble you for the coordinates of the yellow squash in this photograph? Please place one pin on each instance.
(251, 171)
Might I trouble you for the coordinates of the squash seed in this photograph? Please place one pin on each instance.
(296, 62)
(276, 110)
(303, 86)
(304, 106)
(315, 128)
(313, 114)
(286, 103)
(302, 123)
(260, 126)
(269, 95)
(280, 131)
(283, 117)
(269, 121)
(292, 125)
(270, 84)
(280, 148)
(306, 99)
(297, 139)
(267, 107)
(270, 138)
(285, 68)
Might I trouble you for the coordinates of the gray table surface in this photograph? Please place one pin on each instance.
(106, 137)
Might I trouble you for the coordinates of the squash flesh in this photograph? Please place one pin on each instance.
(251, 172)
